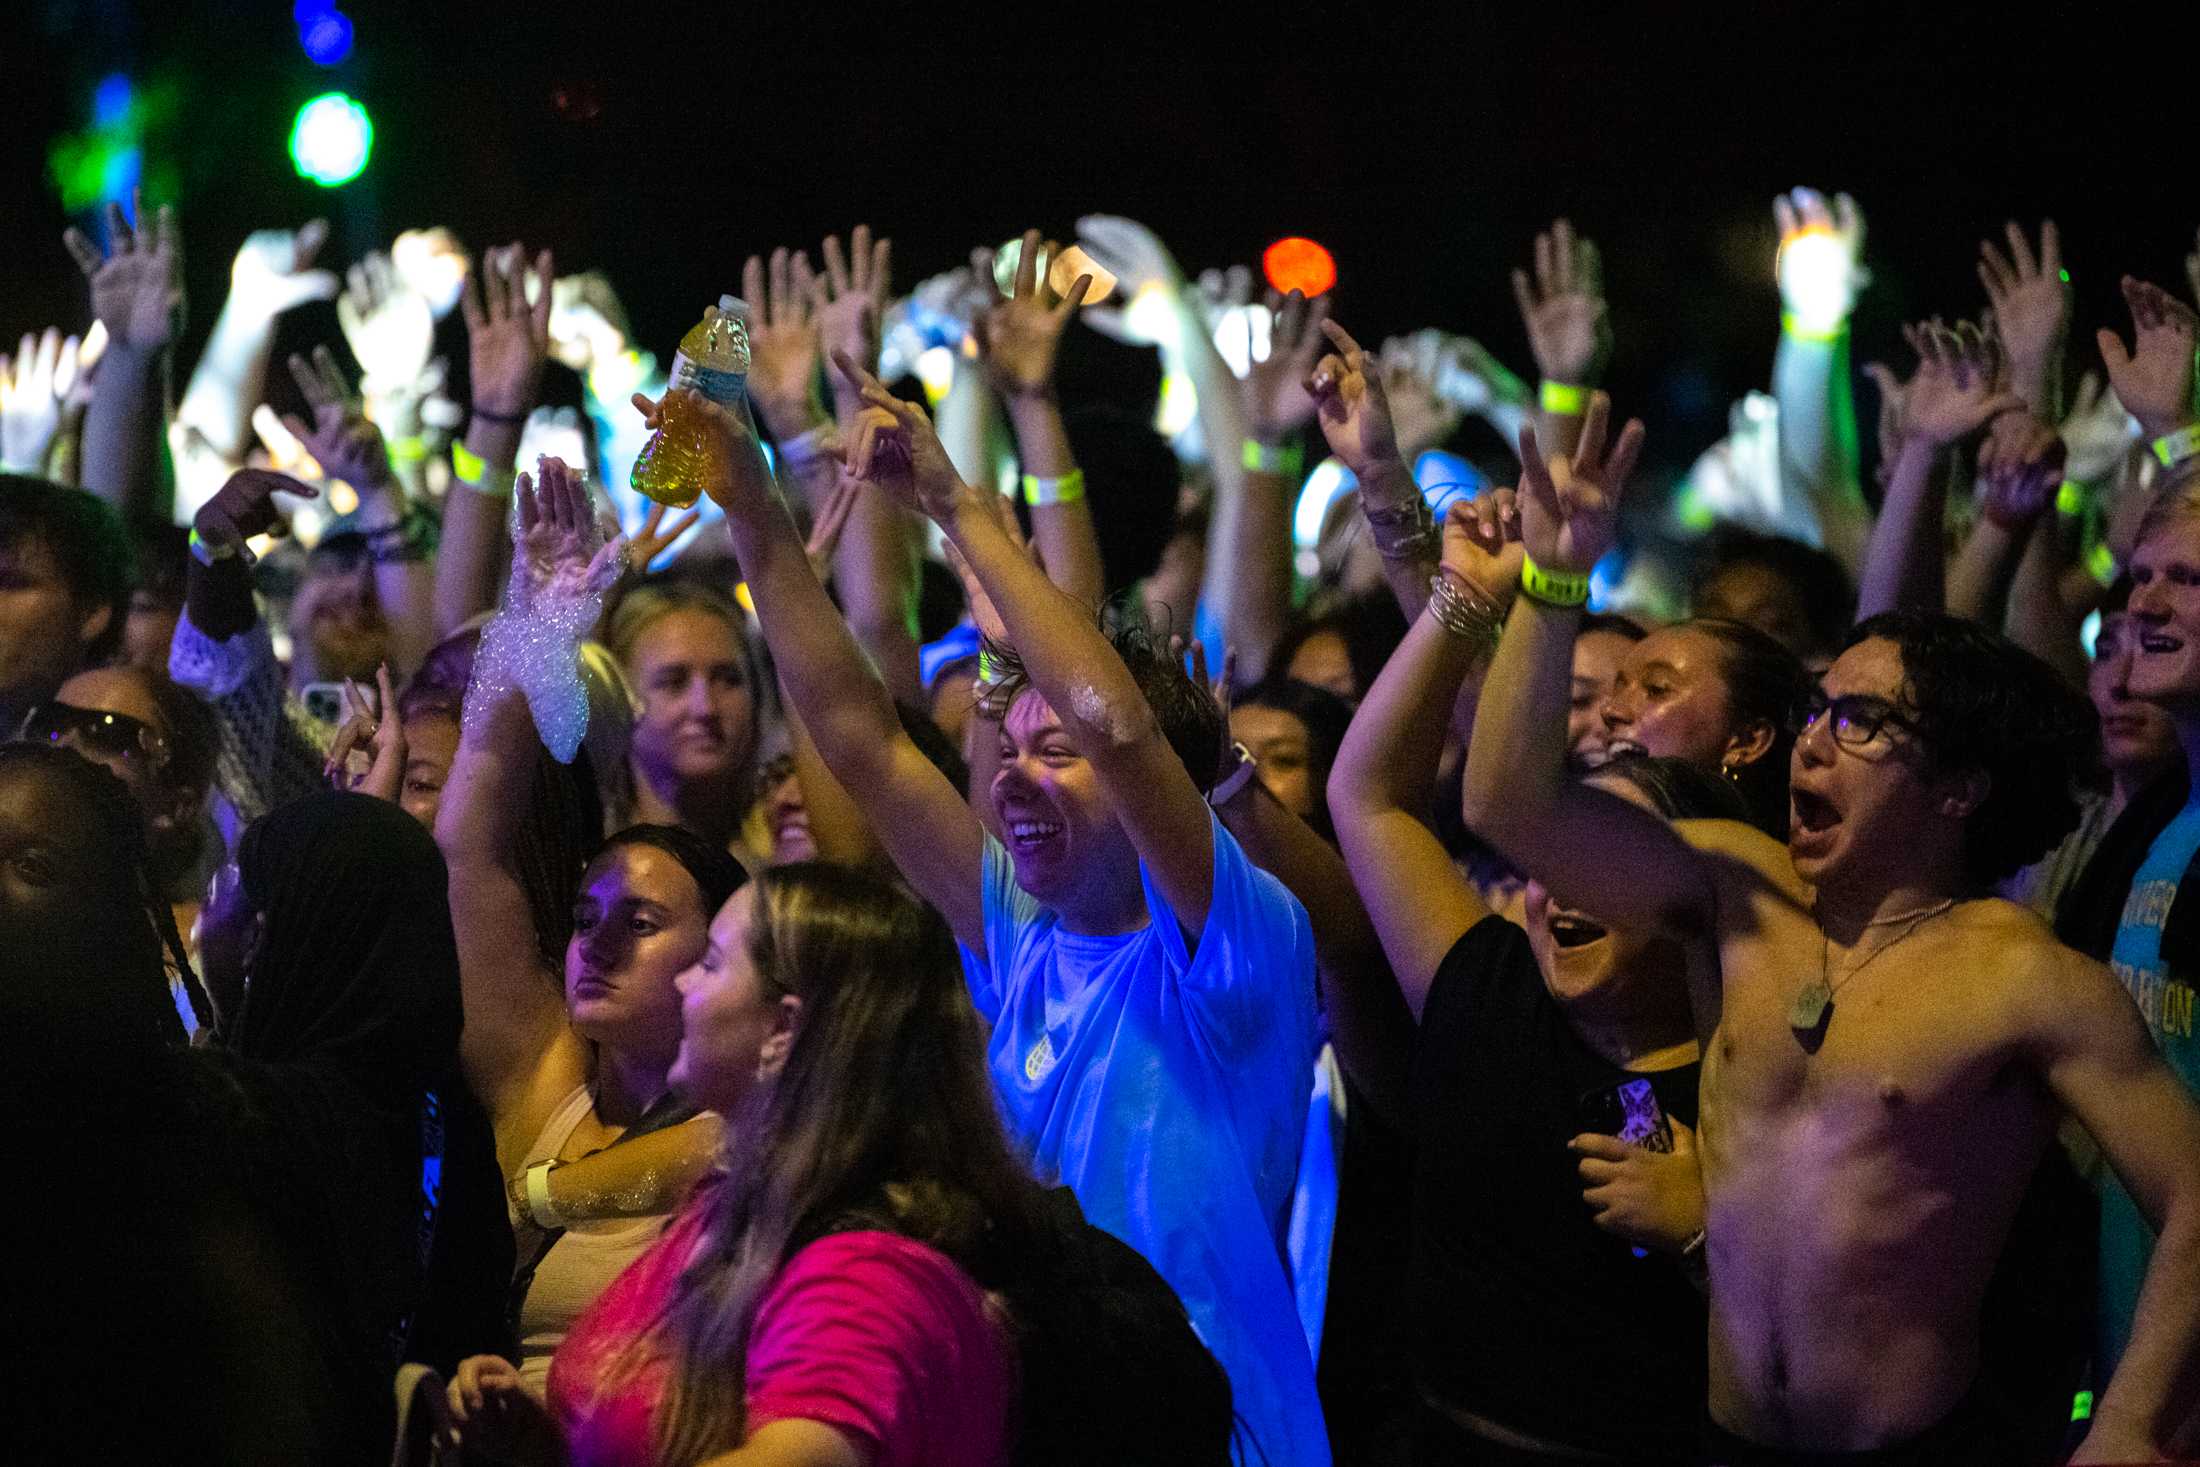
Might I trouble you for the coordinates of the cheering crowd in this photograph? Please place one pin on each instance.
(1104, 897)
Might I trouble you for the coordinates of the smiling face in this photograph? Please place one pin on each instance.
(1669, 699)
(787, 816)
(1870, 809)
(728, 1015)
(638, 921)
(1587, 966)
(1068, 847)
(2165, 611)
(696, 723)
(1598, 656)
(2137, 737)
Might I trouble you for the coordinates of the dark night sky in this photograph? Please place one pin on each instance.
(1424, 154)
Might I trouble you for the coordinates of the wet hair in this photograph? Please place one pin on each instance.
(1370, 626)
(86, 540)
(1816, 578)
(1680, 788)
(1765, 683)
(1982, 703)
(1325, 717)
(1190, 719)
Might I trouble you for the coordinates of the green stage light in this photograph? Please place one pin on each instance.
(331, 140)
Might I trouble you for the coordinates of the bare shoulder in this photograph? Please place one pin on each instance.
(2056, 991)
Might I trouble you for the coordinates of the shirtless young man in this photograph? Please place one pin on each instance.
(1863, 1155)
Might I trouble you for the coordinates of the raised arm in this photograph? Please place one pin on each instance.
(1382, 790)
(2030, 293)
(1246, 584)
(137, 294)
(507, 341)
(1102, 713)
(34, 390)
(515, 1023)
(1592, 850)
(875, 569)
(2100, 1062)
(272, 273)
(1354, 413)
(1958, 389)
(2154, 379)
(918, 814)
(1569, 331)
(400, 534)
(1018, 340)
(1820, 270)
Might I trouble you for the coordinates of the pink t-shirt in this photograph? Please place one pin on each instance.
(883, 1338)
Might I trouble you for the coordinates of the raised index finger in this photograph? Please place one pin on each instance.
(1344, 343)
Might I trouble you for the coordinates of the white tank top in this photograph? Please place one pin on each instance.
(581, 1266)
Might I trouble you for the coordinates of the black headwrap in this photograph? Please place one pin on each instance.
(350, 1014)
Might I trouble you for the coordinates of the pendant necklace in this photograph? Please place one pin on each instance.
(1814, 1002)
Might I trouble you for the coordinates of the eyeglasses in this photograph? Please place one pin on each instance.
(1858, 718)
(95, 731)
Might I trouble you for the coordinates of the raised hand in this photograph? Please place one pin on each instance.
(1350, 405)
(830, 520)
(2153, 379)
(749, 476)
(507, 338)
(559, 556)
(245, 506)
(388, 325)
(1961, 384)
(34, 386)
(380, 732)
(137, 288)
(2030, 296)
(1820, 266)
(785, 349)
(1019, 338)
(1569, 507)
(274, 273)
(656, 537)
(1482, 543)
(1276, 399)
(850, 297)
(1563, 307)
(2096, 430)
(341, 438)
(1131, 252)
(2020, 467)
(891, 444)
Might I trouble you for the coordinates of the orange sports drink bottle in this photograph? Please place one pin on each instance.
(683, 454)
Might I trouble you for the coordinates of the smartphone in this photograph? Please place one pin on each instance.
(326, 703)
(1630, 1111)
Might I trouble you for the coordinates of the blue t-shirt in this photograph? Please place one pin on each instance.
(2165, 1002)
(1166, 1086)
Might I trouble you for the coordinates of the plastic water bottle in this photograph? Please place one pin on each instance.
(684, 453)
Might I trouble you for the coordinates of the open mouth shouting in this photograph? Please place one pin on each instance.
(1570, 929)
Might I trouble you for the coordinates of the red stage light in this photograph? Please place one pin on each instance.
(1299, 264)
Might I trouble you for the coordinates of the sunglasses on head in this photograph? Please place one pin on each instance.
(95, 731)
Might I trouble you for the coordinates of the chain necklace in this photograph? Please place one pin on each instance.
(1814, 1003)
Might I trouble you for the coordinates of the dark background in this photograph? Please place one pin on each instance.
(1425, 152)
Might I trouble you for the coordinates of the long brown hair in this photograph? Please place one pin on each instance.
(883, 1117)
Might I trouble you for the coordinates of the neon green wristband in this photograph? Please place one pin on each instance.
(1068, 489)
(1284, 460)
(408, 450)
(2070, 498)
(2172, 449)
(1791, 325)
(1563, 399)
(1552, 588)
(468, 468)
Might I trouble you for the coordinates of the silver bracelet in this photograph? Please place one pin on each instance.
(1465, 610)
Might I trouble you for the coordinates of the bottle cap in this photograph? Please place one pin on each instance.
(733, 305)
